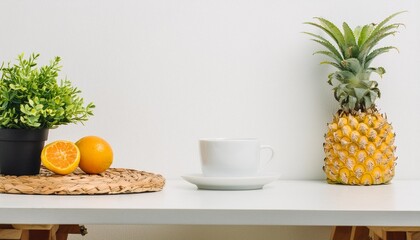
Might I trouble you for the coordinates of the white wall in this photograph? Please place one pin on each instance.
(166, 73)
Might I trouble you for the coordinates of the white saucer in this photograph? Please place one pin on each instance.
(229, 183)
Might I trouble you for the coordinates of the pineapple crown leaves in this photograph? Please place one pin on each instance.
(352, 52)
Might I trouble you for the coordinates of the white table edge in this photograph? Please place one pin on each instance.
(181, 203)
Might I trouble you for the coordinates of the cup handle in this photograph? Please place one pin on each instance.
(265, 163)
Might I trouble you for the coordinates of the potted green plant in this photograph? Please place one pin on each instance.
(32, 101)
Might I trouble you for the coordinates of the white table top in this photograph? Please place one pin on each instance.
(279, 203)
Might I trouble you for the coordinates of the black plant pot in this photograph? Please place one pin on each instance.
(20, 150)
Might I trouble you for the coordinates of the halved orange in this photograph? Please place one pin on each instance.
(61, 157)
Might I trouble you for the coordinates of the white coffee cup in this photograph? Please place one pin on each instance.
(232, 157)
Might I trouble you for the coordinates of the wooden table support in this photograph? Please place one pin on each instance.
(350, 233)
(375, 233)
(39, 232)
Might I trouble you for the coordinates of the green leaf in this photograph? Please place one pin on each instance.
(330, 47)
(356, 32)
(377, 52)
(374, 94)
(365, 84)
(364, 34)
(360, 93)
(373, 84)
(340, 94)
(364, 51)
(330, 78)
(333, 31)
(350, 41)
(329, 54)
(336, 36)
(352, 64)
(344, 76)
(326, 44)
(331, 63)
(351, 49)
(381, 24)
(380, 70)
(374, 38)
(368, 101)
(339, 91)
(382, 31)
(352, 102)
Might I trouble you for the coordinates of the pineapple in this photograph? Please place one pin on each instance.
(359, 143)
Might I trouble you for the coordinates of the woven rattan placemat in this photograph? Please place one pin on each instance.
(112, 181)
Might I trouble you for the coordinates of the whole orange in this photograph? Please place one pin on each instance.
(95, 154)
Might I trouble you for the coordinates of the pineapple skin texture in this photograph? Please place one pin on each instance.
(359, 149)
